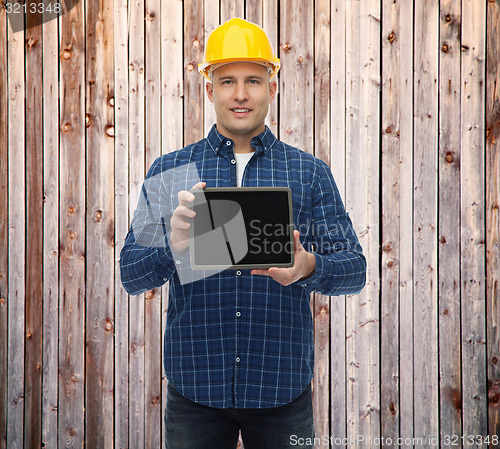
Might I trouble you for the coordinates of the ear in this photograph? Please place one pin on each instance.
(273, 88)
(210, 92)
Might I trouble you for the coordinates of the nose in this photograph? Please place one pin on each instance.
(240, 92)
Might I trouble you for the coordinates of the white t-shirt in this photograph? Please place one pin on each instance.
(241, 162)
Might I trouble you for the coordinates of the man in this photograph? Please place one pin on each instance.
(239, 344)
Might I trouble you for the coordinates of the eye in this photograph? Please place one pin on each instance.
(226, 82)
(255, 81)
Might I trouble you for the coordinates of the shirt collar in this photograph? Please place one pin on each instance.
(262, 143)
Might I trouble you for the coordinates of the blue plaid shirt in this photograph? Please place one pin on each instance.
(235, 339)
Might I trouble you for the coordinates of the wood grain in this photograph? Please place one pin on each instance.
(50, 233)
(4, 227)
(99, 225)
(391, 207)
(450, 387)
(472, 196)
(492, 213)
(425, 146)
(16, 240)
(34, 231)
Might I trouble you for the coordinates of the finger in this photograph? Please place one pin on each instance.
(296, 241)
(261, 272)
(184, 212)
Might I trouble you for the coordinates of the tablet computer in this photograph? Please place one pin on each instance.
(241, 228)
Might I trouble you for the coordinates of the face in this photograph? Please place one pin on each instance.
(241, 93)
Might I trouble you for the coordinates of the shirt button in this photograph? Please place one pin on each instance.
(178, 262)
(165, 279)
(228, 142)
(238, 273)
(233, 161)
(237, 360)
(304, 285)
(238, 314)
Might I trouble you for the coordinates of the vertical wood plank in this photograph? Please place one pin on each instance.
(450, 387)
(337, 164)
(172, 73)
(321, 304)
(211, 18)
(16, 239)
(121, 325)
(297, 74)
(362, 194)
(50, 233)
(406, 220)
(99, 225)
(152, 335)
(34, 230)
(193, 82)
(492, 213)
(270, 24)
(137, 170)
(72, 229)
(4, 221)
(253, 11)
(425, 219)
(231, 8)
(474, 406)
(391, 204)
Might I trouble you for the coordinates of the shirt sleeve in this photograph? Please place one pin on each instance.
(340, 263)
(146, 260)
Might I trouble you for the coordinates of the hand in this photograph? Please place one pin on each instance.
(304, 266)
(179, 223)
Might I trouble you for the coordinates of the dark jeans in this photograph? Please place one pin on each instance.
(195, 426)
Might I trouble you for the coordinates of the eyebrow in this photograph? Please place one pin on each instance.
(230, 77)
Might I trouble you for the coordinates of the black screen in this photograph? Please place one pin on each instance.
(242, 227)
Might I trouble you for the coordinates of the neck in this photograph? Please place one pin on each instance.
(242, 142)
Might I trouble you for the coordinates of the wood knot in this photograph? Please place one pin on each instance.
(323, 311)
(390, 264)
(111, 101)
(445, 48)
(447, 18)
(155, 400)
(66, 54)
(2, 301)
(190, 67)
(98, 216)
(449, 157)
(150, 16)
(392, 408)
(67, 127)
(196, 43)
(72, 235)
(30, 42)
(387, 247)
(71, 210)
(131, 67)
(110, 130)
(88, 120)
(74, 379)
(108, 325)
(286, 47)
(465, 48)
(133, 348)
(442, 240)
(29, 334)
(391, 37)
(446, 312)
(388, 130)
(300, 59)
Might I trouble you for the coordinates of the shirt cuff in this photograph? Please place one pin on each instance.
(313, 283)
(169, 261)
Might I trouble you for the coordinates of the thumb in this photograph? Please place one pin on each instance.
(296, 241)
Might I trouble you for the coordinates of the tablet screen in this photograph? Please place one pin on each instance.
(242, 227)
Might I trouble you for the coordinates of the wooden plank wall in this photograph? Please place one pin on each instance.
(400, 98)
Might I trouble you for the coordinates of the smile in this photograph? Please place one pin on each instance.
(240, 110)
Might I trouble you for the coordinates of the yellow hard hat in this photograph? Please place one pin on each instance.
(238, 40)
